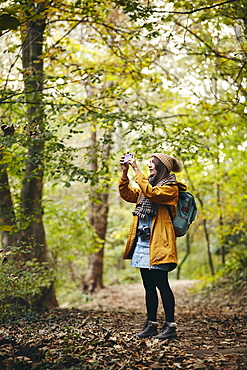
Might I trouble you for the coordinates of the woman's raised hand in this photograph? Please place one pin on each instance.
(132, 162)
(126, 160)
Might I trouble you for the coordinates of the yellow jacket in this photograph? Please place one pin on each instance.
(162, 239)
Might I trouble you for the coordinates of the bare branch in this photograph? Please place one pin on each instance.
(196, 10)
(214, 52)
(67, 33)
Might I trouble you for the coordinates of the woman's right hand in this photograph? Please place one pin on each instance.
(125, 165)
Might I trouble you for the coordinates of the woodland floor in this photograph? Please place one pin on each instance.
(99, 335)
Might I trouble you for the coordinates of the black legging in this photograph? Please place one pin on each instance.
(153, 279)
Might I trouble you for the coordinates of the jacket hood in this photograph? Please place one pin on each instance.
(182, 186)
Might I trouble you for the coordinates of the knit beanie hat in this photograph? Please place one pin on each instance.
(172, 164)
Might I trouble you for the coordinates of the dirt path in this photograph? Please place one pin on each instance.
(130, 297)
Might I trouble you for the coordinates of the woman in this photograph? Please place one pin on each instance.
(151, 242)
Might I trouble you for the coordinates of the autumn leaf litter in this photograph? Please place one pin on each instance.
(99, 334)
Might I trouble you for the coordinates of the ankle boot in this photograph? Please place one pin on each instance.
(168, 331)
(150, 328)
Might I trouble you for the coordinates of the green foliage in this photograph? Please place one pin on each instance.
(67, 222)
(117, 270)
(230, 277)
(21, 281)
(237, 263)
(71, 238)
(8, 16)
(7, 21)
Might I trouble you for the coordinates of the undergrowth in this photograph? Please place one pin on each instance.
(21, 283)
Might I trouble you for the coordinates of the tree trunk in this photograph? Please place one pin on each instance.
(210, 260)
(9, 238)
(219, 206)
(31, 195)
(221, 238)
(98, 219)
(205, 226)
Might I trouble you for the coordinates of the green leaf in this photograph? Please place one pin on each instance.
(8, 22)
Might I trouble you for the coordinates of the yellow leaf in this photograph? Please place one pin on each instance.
(5, 157)
(6, 228)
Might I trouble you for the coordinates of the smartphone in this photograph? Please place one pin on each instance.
(127, 157)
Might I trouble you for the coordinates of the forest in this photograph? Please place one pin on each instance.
(83, 82)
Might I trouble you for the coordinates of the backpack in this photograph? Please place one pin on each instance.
(185, 213)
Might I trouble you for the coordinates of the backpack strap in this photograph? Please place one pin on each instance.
(169, 211)
(168, 207)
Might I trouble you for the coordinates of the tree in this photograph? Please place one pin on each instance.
(31, 232)
(98, 216)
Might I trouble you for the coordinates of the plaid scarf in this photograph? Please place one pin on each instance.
(145, 206)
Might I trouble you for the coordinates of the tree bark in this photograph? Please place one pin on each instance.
(98, 218)
(9, 238)
(205, 227)
(219, 205)
(210, 260)
(31, 194)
